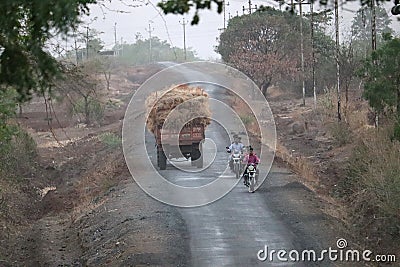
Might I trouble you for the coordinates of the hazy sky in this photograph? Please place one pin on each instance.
(202, 38)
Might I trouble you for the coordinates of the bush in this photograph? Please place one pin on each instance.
(372, 185)
(110, 139)
(91, 108)
(247, 119)
(341, 133)
(16, 155)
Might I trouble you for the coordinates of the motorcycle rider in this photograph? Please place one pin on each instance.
(236, 145)
(248, 159)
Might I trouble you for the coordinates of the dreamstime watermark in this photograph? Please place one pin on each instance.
(338, 253)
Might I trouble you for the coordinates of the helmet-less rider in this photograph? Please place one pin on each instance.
(250, 158)
(235, 146)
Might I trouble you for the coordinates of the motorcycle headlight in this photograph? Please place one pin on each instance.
(251, 168)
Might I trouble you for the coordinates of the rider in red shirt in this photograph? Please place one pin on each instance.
(249, 159)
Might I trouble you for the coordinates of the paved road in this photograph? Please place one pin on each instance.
(229, 231)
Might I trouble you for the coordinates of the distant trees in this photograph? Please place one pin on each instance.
(92, 45)
(361, 29)
(147, 51)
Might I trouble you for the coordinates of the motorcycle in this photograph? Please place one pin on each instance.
(237, 163)
(251, 177)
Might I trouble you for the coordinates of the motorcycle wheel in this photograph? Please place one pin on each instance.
(251, 184)
(162, 160)
(236, 171)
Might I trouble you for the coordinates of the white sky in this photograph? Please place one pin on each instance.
(202, 37)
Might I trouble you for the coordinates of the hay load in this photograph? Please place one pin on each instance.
(183, 105)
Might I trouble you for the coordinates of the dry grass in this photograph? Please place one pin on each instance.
(96, 182)
(372, 187)
(180, 104)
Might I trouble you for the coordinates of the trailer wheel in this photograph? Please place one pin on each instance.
(195, 154)
(199, 162)
(161, 160)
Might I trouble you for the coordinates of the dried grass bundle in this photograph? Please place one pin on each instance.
(183, 104)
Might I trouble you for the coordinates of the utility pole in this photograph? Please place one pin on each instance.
(249, 8)
(115, 39)
(224, 5)
(313, 53)
(122, 47)
(76, 49)
(87, 43)
(150, 30)
(302, 51)
(373, 38)
(184, 22)
(373, 25)
(337, 59)
(229, 16)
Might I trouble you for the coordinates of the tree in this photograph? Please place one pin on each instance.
(361, 29)
(263, 45)
(79, 85)
(381, 74)
(25, 27)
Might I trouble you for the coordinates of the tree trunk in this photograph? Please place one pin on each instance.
(87, 111)
(398, 104)
(264, 87)
(107, 76)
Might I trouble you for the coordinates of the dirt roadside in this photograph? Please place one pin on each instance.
(98, 216)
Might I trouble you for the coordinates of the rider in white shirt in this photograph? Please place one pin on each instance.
(236, 145)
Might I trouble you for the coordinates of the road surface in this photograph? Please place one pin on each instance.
(232, 230)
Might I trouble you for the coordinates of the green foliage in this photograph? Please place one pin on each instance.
(25, 27)
(396, 130)
(247, 119)
(183, 6)
(361, 29)
(381, 74)
(8, 105)
(79, 87)
(90, 107)
(139, 52)
(110, 139)
(16, 153)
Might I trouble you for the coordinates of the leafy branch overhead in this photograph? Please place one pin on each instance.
(25, 28)
(184, 6)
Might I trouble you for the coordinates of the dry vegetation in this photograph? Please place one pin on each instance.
(358, 169)
(186, 101)
(350, 164)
